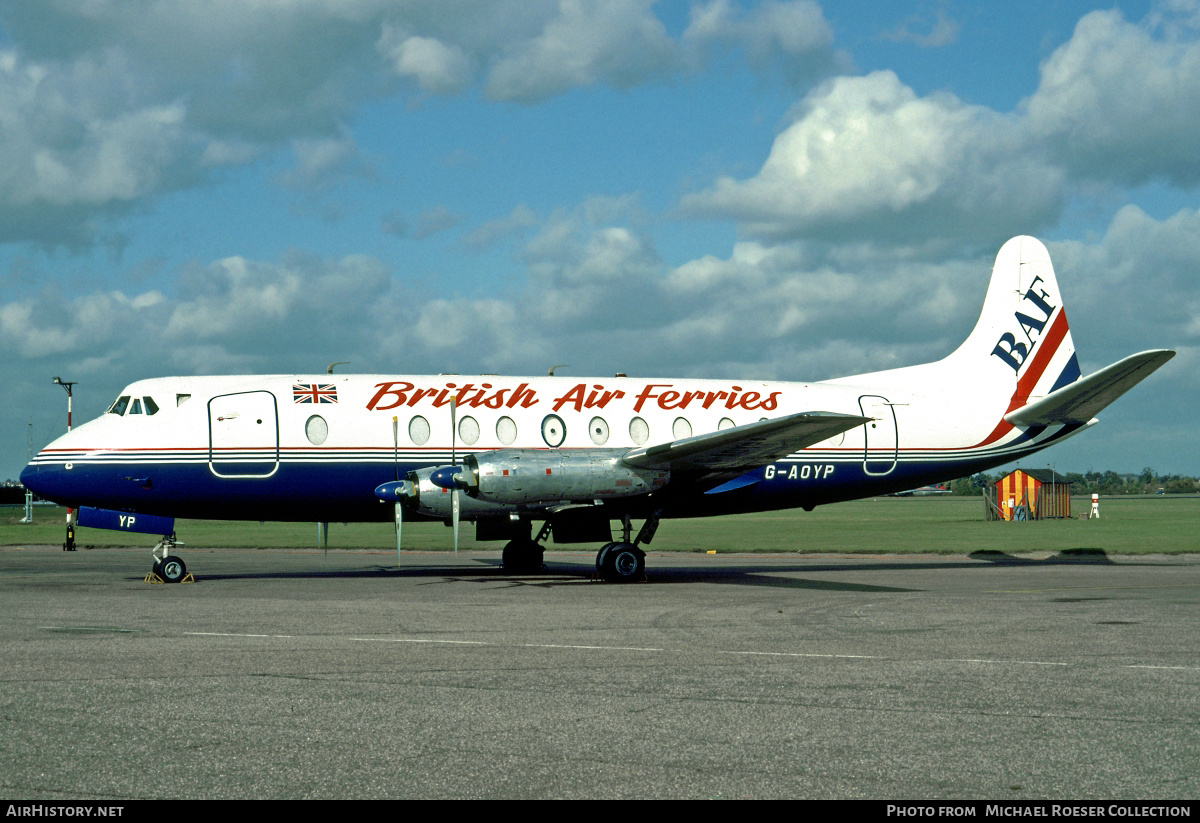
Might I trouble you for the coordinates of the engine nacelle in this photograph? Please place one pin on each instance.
(436, 501)
(538, 477)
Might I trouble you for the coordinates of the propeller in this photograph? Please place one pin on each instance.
(396, 465)
(454, 503)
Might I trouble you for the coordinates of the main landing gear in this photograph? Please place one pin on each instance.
(623, 561)
(522, 555)
(167, 567)
(620, 561)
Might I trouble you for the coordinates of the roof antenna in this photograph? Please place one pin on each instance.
(329, 368)
(550, 373)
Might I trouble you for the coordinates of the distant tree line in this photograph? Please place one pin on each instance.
(1147, 481)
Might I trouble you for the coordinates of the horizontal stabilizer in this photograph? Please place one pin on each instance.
(1080, 401)
(744, 447)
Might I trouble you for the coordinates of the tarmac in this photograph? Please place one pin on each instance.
(299, 674)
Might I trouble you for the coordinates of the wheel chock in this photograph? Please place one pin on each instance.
(151, 577)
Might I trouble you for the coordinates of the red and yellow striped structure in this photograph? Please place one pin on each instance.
(1045, 493)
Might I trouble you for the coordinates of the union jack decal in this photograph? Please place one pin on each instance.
(314, 393)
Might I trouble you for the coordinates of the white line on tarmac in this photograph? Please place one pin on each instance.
(826, 656)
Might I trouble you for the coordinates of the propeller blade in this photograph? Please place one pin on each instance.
(454, 504)
(453, 430)
(399, 528)
(396, 467)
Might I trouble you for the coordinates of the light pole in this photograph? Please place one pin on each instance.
(69, 545)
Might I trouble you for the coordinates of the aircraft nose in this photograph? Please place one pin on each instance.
(29, 477)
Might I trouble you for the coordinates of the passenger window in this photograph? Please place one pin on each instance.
(151, 406)
(418, 430)
(598, 429)
(554, 430)
(681, 428)
(316, 429)
(639, 430)
(506, 430)
(118, 407)
(468, 430)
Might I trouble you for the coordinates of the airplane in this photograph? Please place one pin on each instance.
(576, 454)
(925, 491)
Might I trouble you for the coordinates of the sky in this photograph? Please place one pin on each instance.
(767, 190)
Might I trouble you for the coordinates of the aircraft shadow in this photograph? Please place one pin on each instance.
(556, 574)
(1064, 557)
(554, 577)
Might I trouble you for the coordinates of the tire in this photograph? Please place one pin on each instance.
(602, 555)
(171, 569)
(623, 563)
(521, 556)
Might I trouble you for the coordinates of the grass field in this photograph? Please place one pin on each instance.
(937, 525)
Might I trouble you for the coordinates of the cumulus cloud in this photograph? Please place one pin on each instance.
(791, 35)
(50, 324)
(1120, 101)
(105, 106)
(437, 67)
(921, 31)
(1145, 266)
(78, 137)
(435, 220)
(867, 157)
(619, 42)
(321, 163)
(497, 231)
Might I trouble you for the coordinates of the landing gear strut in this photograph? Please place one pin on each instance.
(168, 567)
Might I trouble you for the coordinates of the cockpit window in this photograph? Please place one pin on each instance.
(136, 408)
(151, 406)
(119, 406)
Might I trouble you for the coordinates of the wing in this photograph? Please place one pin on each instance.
(1080, 401)
(743, 447)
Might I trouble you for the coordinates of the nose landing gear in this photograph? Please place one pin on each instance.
(167, 567)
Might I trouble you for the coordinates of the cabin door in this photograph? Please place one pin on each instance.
(243, 434)
(881, 435)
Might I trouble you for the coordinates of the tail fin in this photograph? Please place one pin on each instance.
(1021, 341)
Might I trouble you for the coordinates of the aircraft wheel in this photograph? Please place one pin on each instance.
(622, 563)
(602, 556)
(171, 569)
(521, 556)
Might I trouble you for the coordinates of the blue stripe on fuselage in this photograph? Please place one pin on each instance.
(333, 491)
